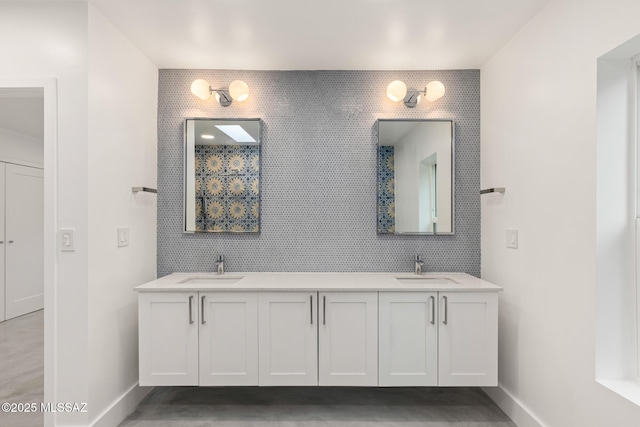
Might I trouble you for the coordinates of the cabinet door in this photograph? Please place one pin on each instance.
(24, 257)
(168, 338)
(288, 338)
(228, 338)
(408, 339)
(348, 339)
(468, 339)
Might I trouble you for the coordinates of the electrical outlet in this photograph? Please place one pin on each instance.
(123, 236)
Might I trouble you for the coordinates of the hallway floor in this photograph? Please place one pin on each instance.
(316, 407)
(22, 373)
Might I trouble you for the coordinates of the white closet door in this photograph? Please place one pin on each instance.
(24, 240)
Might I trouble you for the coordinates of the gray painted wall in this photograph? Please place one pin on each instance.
(319, 166)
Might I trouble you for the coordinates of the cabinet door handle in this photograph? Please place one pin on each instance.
(190, 309)
(202, 319)
(445, 310)
(433, 310)
(324, 310)
(311, 307)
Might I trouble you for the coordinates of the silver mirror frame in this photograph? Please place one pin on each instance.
(184, 175)
(453, 181)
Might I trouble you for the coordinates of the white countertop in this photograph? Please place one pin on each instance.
(254, 281)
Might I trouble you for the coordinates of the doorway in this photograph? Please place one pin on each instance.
(21, 251)
(29, 118)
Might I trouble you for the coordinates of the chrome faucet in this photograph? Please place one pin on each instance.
(418, 265)
(219, 265)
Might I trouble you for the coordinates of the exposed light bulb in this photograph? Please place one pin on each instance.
(396, 90)
(205, 136)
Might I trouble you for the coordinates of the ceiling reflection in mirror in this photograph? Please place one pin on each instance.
(222, 175)
(415, 177)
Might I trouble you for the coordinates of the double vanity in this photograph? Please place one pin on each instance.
(327, 329)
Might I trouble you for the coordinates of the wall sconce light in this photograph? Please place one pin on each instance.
(238, 91)
(397, 90)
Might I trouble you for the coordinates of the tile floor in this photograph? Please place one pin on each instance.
(21, 380)
(22, 367)
(316, 407)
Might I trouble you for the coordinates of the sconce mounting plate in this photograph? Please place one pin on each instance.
(223, 98)
(412, 98)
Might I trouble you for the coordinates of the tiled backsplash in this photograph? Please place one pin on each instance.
(319, 172)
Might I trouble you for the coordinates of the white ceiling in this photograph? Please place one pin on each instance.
(22, 111)
(320, 34)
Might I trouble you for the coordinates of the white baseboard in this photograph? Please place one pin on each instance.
(514, 408)
(121, 407)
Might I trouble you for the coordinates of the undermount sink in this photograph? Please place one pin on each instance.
(204, 280)
(418, 280)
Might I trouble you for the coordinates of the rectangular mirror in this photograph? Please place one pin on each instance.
(415, 176)
(222, 175)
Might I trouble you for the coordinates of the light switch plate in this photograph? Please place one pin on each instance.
(67, 240)
(123, 236)
(512, 239)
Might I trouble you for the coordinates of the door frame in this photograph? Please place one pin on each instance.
(49, 86)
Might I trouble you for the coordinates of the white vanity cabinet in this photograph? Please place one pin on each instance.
(198, 338)
(326, 329)
(168, 338)
(288, 344)
(438, 339)
(348, 339)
